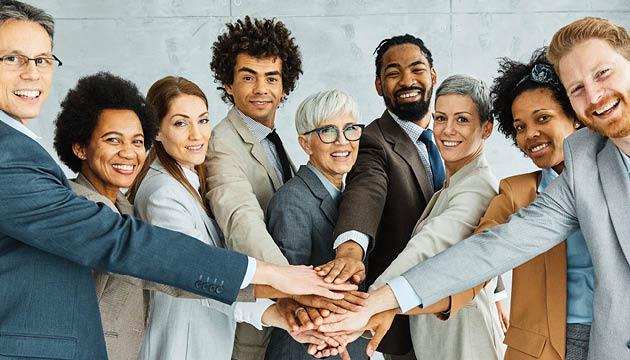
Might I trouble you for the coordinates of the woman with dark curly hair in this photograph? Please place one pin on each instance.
(552, 294)
(102, 132)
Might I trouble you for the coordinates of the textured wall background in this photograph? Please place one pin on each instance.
(145, 40)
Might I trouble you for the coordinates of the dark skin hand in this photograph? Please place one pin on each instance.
(347, 265)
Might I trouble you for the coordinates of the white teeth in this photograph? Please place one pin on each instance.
(123, 167)
(408, 95)
(27, 93)
(342, 154)
(539, 147)
(450, 143)
(194, 148)
(607, 107)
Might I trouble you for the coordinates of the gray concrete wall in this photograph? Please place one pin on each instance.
(144, 40)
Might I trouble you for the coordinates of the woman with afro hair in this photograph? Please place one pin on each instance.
(552, 294)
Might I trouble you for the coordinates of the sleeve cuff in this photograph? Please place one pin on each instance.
(360, 238)
(404, 293)
(252, 312)
(500, 296)
(249, 274)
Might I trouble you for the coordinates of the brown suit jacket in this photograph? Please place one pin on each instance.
(386, 192)
(539, 286)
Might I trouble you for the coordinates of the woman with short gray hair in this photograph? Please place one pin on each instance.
(302, 213)
(462, 123)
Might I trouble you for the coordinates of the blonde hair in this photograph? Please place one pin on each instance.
(588, 28)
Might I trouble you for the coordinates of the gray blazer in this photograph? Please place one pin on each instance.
(593, 193)
(182, 328)
(301, 220)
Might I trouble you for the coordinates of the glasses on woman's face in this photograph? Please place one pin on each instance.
(330, 134)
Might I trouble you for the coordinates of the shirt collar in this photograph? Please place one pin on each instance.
(548, 175)
(259, 130)
(5, 118)
(626, 160)
(332, 189)
(412, 129)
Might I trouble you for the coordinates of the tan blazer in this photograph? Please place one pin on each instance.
(241, 182)
(451, 215)
(539, 286)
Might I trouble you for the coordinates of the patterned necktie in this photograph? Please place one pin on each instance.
(282, 154)
(434, 158)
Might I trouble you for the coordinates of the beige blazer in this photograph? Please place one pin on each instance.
(241, 182)
(452, 214)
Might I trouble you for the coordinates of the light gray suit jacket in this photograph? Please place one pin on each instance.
(182, 328)
(451, 215)
(122, 300)
(592, 193)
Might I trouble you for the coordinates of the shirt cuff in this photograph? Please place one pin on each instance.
(404, 293)
(500, 296)
(252, 312)
(249, 274)
(360, 238)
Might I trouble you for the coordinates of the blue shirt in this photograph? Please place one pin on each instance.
(580, 276)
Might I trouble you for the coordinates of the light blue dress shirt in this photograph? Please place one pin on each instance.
(332, 189)
(580, 276)
(5, 118)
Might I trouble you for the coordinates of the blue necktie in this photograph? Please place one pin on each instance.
(435, 159)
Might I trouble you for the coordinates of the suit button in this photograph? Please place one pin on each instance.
(212, 287)
(206, 286)
(220, 290)
(628, 344)
(198, 284)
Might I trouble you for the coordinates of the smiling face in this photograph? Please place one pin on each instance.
(115, 152)
(597, 79)
(457, 128)
(406, 83)
(257, 87)
(336, 159)
(185, 130)
(24, 91)
(541, 126)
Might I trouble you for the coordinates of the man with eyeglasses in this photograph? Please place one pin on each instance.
(51, 239)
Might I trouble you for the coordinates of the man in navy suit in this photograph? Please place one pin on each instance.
(50, 238)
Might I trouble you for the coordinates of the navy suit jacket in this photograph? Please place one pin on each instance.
(50, 239)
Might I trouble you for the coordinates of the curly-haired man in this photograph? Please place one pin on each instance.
(257, 63)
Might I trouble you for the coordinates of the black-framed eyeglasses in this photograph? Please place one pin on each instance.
(330, 134)
(43, 63)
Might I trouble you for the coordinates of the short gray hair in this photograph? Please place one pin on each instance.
(15, 10)
(323, 105)
(472, 87)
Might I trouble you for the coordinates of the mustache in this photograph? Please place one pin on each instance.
(418, 88)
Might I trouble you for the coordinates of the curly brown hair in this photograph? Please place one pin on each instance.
(261, 38)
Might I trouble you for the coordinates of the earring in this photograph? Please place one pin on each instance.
(576, 124)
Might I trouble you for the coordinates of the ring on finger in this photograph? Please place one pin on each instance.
(298, 310)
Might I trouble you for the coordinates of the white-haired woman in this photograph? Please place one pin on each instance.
(302, 214)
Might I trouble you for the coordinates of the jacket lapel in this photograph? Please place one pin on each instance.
(616, 189)
(556, 289)
(328, 205)
(403, 146)
(256, 148)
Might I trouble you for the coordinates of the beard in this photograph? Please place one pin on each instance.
(413, 111)
(617, 127)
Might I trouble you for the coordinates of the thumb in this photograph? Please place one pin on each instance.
(379, 333)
